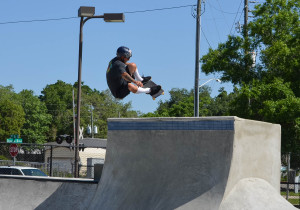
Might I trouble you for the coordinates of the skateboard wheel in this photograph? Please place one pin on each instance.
(163, 93)
(153, 98)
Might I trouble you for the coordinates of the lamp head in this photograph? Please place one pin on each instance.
(114, 17)
(86, 11)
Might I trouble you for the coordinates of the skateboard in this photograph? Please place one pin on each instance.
(150, 84)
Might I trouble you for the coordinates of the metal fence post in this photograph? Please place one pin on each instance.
(288, 174)
(51, 156)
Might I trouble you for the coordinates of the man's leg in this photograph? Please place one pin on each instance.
(137, 90)
(134, 71)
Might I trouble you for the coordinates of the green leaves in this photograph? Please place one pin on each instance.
(37, 120)
(41, 119)
(274, 34)
(272, 102)
(270, 90)
(230, 60)
(12, 118)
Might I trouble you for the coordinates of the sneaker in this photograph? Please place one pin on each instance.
(154, 90)
(146, 79)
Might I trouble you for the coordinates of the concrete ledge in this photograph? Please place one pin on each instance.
(51, 179)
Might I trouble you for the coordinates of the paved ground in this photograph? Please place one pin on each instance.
(43, 193)
(175, 163)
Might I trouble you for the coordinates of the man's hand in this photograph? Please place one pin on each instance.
(128, 78)
(139, 84)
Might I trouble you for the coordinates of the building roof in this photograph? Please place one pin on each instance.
(88, 142)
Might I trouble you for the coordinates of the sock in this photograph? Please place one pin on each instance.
(143, 90)
(137, 76)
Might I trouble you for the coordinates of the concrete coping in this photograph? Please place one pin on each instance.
(186, 119)
(178, 118)
(51, 179)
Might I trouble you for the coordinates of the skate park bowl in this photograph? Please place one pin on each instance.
(207, 163)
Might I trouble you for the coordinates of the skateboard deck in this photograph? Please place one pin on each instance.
(150, 84)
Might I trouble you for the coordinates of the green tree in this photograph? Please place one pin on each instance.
(274, 102)
(37, 120)
(231, 61)
(181, 104)
(270, 90)
(58, 100)
(104, 106)
(12, 118)
(220, 105)
(274, 34)
(11, 113)
(7, 92)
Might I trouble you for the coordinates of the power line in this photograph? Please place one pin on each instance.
(206, 38)
(67, 18)
(166, 8)
(220, 10)
(223, 13)
(41, 20)
(215, 24)
(236, 16)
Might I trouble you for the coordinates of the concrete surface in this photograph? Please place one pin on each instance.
(44, 193)
(254, 193)
(185, 163)
(204, 163)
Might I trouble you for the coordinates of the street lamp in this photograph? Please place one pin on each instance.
(218, 80)
(86, 13)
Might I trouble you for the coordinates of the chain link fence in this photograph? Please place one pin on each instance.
(56, 160)
(290, 179)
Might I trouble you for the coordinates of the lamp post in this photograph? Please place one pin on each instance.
(86, 13)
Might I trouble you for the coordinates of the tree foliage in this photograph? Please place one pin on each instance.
(40, 119)
(181, 104)
(37, 120)
(274, 102)
(270, 89)
(275, 31)
(58, 100)
(274, 34)
(11, 113)
(12, 118)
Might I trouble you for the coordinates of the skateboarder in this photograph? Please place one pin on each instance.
(123, 77)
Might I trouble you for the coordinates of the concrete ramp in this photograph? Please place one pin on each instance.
(18, 192)
(184, 163)
(254, 193)
(207, 163)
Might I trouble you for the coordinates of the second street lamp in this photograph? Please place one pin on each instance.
(86, 13)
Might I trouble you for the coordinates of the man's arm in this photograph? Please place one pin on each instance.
(128, 78)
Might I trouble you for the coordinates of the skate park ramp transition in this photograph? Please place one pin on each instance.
(204, 163)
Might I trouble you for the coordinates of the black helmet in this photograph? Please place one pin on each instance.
(124, 51)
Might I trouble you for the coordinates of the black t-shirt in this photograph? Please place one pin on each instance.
(114, 73)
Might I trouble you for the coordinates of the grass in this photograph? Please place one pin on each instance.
(294, 201)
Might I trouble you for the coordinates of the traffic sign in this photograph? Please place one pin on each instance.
(19, 141)
(13, 150)
(14, 136)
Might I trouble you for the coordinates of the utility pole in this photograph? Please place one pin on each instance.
(197, 61)
(74, 131)
(246, 9)
(92, 121)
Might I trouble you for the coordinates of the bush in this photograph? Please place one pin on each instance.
(3, 158)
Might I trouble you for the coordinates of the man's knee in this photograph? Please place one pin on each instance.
(132, 67)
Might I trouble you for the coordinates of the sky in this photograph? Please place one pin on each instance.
(163, 41)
